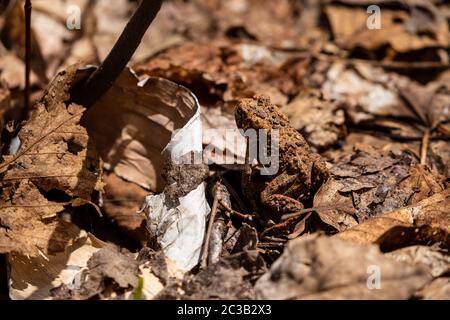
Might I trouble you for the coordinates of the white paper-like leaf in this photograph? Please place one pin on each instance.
(180, 230)
(139, 126)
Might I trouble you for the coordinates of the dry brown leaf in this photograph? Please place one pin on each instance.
(29, 223)
(110, 271)
(55, 152)
(318, 267)
(360, 139)
(430, 103)
(55, 165)
(111, 263)
(431, 214)
(391, 104)
(320, 121)
(195, 65)
(37, 278)
(122, 201)
(437, 261)
(440, 156)
(367, 181)
(276, 24)
(423, 181)
(222, 71)
(222, 280)
(364, 92)
(438, 289)
(398, 30)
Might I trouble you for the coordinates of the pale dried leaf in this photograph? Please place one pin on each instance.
(432, 211)
(318, 267)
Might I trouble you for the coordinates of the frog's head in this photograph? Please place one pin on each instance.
(258, 113)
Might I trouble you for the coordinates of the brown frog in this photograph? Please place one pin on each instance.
(301, 172)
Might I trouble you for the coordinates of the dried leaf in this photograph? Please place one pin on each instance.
(109, 270)
(438, 289)
(440, 157)
(38, 278)
(121, 204)
(29, 223)
(437, 261)
(318, 267)
(398, 30)
(55, 165)
(431, 214)
(367, 181)
(423, 181)
(222, 71)
(222, 281)
(361, 91)
(431, 103)
(321, 123)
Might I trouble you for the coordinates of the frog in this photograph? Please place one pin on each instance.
(301, 171)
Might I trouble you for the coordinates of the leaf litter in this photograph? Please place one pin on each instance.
(93, 199)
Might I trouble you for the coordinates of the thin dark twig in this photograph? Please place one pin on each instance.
(298, 213)
(28, 9)
(105, 76)
(230, 210)
(212, 217)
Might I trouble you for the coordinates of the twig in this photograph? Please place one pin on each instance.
(298, 213)
(246, 217)
(212, 217)
(424, 147)
(28, 9)
(443, 129)
(105, 76)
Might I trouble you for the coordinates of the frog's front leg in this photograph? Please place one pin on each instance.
(247, 189)
(319, 172)
(273, 195)
(247, 182)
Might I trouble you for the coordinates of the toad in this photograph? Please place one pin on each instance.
(301, 171)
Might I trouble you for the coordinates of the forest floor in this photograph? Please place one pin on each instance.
(353, 94)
